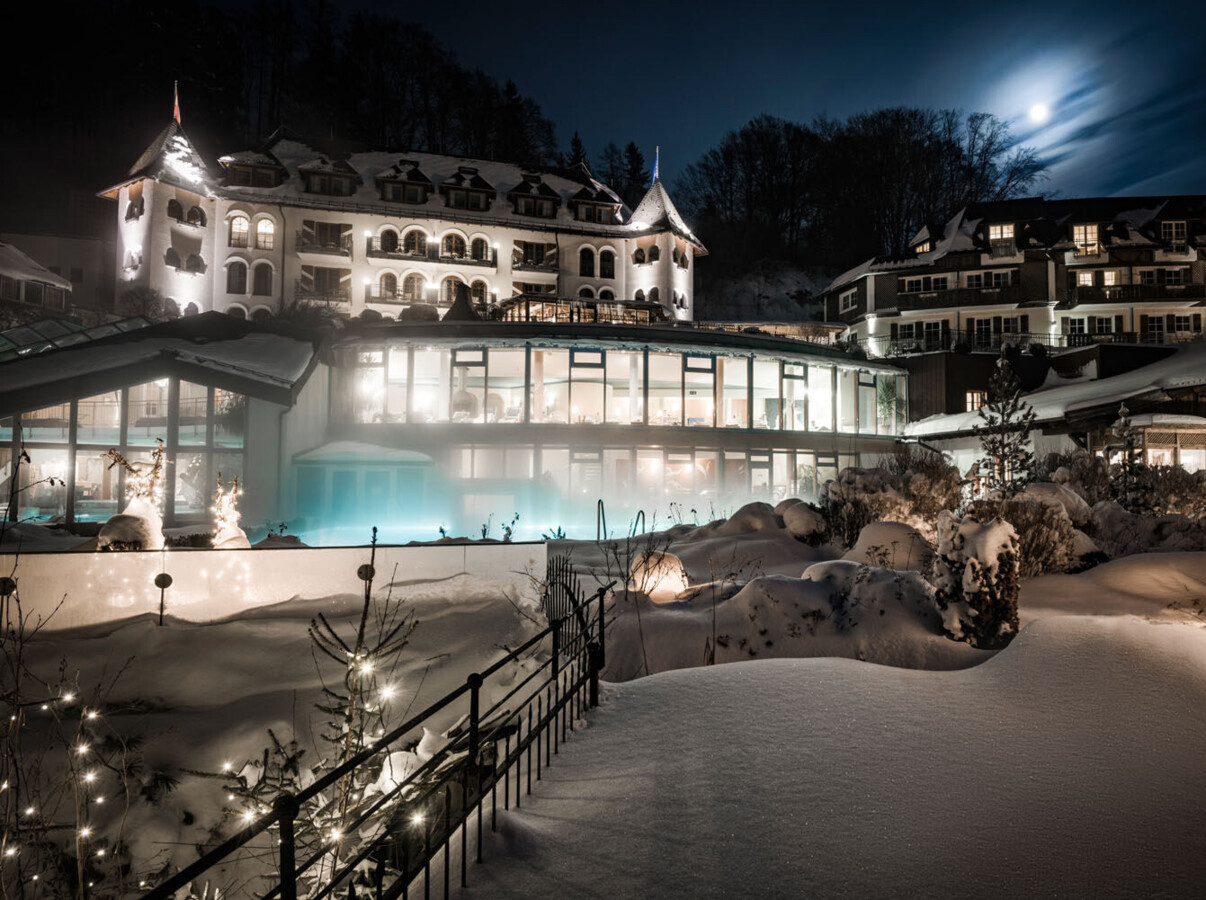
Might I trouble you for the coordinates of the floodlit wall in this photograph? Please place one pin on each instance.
(208, 585)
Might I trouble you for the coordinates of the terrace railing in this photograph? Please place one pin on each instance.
(394, 837)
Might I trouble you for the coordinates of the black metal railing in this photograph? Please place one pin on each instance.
(312, 294)
(401, 831)
(308, 242)
(1125, 292)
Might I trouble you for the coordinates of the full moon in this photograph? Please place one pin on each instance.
(1040, 113)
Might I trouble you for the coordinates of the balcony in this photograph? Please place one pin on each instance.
(1000, 248)
(1010, 294)
(374, 294)
(546, 264)
(311, 243)
(375, 250)
(322, 294)
(1130, 292)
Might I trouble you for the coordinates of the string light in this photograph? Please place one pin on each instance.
(29, 811)
(100, 852)
(387, 691)
(81, 749)
(85, 831)
(90, 777)
(335, 835)
(10, 851)
(91, 715)
(226, 767)
(100, 799)
(417, 819)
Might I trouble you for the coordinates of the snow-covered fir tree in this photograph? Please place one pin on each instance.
(1007, 465)
(1130, 457)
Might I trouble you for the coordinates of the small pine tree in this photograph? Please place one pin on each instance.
(1008, 461)
(577, 152)
(1130, 459)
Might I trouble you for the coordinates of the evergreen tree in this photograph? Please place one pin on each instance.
(577, 152)
(1130, 459)
(636, 176)
(1008, 461)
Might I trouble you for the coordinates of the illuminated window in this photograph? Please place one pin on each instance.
(973, 400)
(265, 234)
(1109, 278)
(923, 247)
(1000, 232)
(1085, 239)
(1084, 279)
(239, 231)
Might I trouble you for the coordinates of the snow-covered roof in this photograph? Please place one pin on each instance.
(15, 264)
(359, 452)
(1184, 367)
(211, 348)
(1045, 224)
(172, 158)
(1166, 420)
(656, 210)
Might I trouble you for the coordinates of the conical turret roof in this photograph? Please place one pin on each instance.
(657, 210)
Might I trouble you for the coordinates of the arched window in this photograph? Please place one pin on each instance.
(654, 253)
(477, 291)
(171, 308)
(606, 294)
(639, 256)
(389, 241)
(192, 309)
(239, 232)
(412, 288)
(134, 209)
(175, 210)
(236, 278)
(586, 262)
(454, 246)
(236, 312)
(261, 280)
(388, 286)
(586, 293)
(265, 234)
(479, 249)
(172, 258)
(640, 297)
(196, 216)
(194, 264)
(674, 255)
(653, 295)
(607, 264)
(448, 289)
(261, 314)
(415, 243)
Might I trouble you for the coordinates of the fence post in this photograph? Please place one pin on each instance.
(594, 653)
(475, 686)
(286, 808)
(602, 628)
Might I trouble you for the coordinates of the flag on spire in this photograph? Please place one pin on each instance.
(176, 105)
(657, 152)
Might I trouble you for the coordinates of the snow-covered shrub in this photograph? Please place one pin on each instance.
(1119, 532)
(144, 492)
(1167, 490)
(805, 522)
(912, 489)
(658, 574)
(1079, 471)
(860, 591)
(1059, 497)
(227, 533)
(976, 579)
(1045, 534)
(892, 545)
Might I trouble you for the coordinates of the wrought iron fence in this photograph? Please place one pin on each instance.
(389, 840)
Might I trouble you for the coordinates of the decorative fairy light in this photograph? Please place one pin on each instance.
(226, 506)
(143, 481)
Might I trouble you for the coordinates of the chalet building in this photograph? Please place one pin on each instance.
(1053, 273)
(28, 286)
(386, 233)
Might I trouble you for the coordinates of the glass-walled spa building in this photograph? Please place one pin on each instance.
(414, 428)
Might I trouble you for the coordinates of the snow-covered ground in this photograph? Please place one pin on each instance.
(1069, 765)
(856, 751)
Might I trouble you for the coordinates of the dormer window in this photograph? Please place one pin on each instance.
(923, 247)
(1000, 240)
(535, 206)
(331, 185)
(1174, 234)
(403, 193)
(1084, 237)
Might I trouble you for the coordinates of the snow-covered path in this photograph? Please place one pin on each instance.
(1069, 765)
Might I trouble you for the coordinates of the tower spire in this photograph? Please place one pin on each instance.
(657, 152)
(176, 103)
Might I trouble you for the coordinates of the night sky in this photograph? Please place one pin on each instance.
(1124, 83)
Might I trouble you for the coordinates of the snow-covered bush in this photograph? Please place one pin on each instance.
(1079, 471)
(1046, 538)
(227, 533)
(805, 522)
(1119, 532)
(144, 493)
(892, 545)
(1167, 490)
(912, 489)
(976, 579)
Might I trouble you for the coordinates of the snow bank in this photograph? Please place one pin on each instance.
(1060, 496)
(1066, 766)
(894, 545)
(1164, 585)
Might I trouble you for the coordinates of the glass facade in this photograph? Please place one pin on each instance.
(70, 479)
